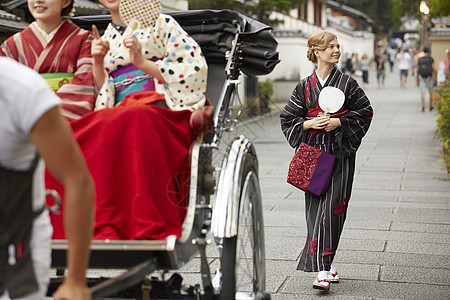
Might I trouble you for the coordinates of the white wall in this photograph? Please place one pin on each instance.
(294, 64)
(355, 42)
(292, 49)
(175, 4)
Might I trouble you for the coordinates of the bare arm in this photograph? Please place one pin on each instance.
(53, 139)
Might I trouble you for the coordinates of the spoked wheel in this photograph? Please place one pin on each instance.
(243, 256)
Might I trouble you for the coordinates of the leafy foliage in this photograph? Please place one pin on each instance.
(442, 97)
(388, 14)
(265, 90)
(381, 11)
(439, 7)
(213, 4)
(261, 9)
(265, 95)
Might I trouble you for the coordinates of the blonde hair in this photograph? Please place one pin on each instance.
(319, 41)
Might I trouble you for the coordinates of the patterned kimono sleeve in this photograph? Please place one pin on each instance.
(78, 97)
(4, 50)
(9, 48)
(183, 66)
(293, 116)
(356, 122)
(106, 95)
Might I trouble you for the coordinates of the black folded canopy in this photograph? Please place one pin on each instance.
(214, 31)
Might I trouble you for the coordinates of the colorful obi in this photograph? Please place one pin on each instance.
(129, 80)
(57, 80)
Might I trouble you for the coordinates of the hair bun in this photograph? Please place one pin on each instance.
(311, 55)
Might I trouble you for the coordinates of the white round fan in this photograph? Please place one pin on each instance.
(331, 99)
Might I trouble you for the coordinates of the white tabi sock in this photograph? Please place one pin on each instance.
(322, 275)
(333, 267)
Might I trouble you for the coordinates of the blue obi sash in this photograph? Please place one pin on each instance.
(129, 80)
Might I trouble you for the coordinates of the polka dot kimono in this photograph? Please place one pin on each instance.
(181, 64)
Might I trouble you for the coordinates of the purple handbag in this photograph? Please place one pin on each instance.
(311, 168)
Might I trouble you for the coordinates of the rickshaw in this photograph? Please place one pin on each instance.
(224, 200)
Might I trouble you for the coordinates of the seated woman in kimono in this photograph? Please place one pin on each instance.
(60, 51)
(136, 144)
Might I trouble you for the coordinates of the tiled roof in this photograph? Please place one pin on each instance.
(13, 4)
(86, 4)
(8, 16)
(12, 22)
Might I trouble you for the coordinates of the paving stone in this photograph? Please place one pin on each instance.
(420, 227)
(351, 233)
(364, 194)
(367, 289)
(392, 259)
(414, 275)
(294, 232)
(424, 212)
(424, 205)
(420, 184)
(367, 181)
(285, 218)
(361, 244)
(406, 236)
(418, 248)
(283, 248)
(426, 195)
(367, 224)
(315, 296)
(357, 212)
(421, 218)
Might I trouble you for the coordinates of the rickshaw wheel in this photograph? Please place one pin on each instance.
(243, 256)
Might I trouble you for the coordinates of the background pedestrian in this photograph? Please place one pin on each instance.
(381, 69)
(426, 76)
(404, 65)
(365, 70)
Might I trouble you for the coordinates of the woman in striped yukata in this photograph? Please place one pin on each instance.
(60, 51)
(300, 119)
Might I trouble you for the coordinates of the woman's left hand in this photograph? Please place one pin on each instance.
(132, 44)
(333, 124)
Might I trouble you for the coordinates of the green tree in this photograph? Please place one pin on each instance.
(410, 8)
(439, 7)
(381, 11)
(213, 4)
(261, 9)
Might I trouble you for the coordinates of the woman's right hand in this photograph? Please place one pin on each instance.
(316, 123)
(99, 47)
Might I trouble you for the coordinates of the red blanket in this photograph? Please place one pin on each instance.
(138, 157)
